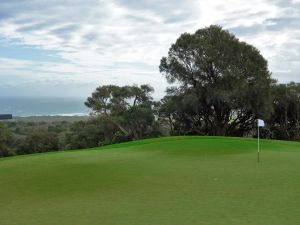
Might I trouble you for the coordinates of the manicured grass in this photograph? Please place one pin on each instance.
(167, 181)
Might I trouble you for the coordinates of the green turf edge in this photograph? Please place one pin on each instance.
(150, 141)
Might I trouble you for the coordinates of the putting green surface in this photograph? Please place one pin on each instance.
(165, 181)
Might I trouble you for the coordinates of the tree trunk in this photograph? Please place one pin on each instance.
(121, 128)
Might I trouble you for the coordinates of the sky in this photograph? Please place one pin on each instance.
(68, 48)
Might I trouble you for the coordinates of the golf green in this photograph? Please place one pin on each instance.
(164, 181)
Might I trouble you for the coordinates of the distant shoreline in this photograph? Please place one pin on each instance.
(53, 115)
(24, 107)
(49, 118)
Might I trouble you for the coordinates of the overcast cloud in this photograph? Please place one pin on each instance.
(69, 47)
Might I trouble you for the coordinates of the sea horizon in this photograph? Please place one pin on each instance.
(27, 106)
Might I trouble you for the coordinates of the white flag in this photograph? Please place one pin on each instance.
(260, 123)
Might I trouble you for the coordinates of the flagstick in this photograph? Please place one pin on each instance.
(258, 145)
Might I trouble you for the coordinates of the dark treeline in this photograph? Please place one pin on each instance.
(222, 85)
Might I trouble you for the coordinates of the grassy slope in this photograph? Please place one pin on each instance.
(169, 181)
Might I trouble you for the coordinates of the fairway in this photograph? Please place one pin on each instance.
(164, 181)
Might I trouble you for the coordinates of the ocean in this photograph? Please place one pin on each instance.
(43, 106)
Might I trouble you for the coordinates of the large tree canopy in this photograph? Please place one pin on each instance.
(129, 108)
(285, 119)
(227, 79)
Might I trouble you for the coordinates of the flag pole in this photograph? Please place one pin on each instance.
(258, 144)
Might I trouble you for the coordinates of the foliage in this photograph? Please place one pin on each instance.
(129, 109)
(92, 133)
(39, 141)
(226, 81)
(285, 120)
(6, 141)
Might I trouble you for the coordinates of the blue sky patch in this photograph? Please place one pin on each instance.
(22, 52)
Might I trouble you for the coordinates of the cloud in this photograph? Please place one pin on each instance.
(122, 41)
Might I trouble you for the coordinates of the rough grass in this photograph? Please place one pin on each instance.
(166, 181)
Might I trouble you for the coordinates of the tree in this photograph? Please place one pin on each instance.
(285, 120)
(140, 118)
(180, 111)
(39, 140)
(227, 79)
(129, 108)
(96, 131)
(6, 141)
